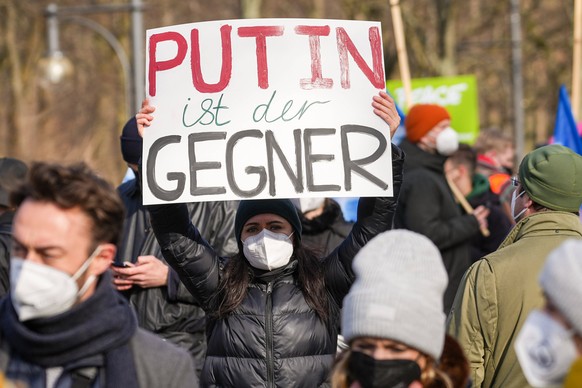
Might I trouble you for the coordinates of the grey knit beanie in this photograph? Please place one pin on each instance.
(398, 292)
(561, 280)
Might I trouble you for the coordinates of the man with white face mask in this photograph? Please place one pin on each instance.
(427, 205)
(549, 345)
(63, 324)
(500, 290)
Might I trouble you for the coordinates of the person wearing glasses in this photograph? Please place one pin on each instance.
(499, 291)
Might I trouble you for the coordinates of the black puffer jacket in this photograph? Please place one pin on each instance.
(273, 338)
(171, 311)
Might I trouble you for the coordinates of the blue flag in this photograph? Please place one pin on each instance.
(565, 129)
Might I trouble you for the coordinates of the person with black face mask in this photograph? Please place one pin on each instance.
(393, 318)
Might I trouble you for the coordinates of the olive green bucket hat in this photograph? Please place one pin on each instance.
(552, 176)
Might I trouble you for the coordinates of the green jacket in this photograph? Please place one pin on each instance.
(574, 377)
(498, 292)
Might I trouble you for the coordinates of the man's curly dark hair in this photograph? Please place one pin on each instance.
(75, 186)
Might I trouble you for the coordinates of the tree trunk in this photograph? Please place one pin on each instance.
(447, 38)
(318, 9)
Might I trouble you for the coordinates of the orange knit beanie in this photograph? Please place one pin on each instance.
(421, 118)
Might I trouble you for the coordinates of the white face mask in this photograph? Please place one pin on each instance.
(267, 250)
(545, 350)
(447, 141)
(39, 291)
(306, 204)
(513, 199)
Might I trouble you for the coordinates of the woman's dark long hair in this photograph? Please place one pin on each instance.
(309, 276)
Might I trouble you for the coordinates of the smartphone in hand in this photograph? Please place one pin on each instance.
(122, 264)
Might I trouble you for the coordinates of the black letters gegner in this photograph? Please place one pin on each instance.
(302, 181)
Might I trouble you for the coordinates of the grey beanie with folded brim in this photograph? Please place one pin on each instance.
(561, 280)
(398, 292)
(552, 177)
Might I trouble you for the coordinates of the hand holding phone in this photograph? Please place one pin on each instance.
(122, 264)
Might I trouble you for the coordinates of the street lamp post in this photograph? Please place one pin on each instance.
(56, 65)
(516, 64)
(137, 42)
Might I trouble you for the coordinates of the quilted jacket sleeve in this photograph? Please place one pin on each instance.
(193, 259)
(375, 215)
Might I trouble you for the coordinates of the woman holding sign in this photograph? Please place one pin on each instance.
(273, 309)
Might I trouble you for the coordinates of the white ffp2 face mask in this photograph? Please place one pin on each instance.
(545, 350)
(447, 141)
(40, 291)
(267, 250)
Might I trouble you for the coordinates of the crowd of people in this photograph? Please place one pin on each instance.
(468, 276)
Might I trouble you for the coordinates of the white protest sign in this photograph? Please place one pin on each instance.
(265, 108)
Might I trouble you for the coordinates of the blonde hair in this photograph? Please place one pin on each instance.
(339, 372)
(492, 139)
(431, 376)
